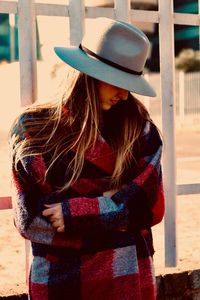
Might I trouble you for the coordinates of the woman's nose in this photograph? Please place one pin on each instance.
(123, 94)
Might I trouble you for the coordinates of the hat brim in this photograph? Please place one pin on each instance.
(89, 65)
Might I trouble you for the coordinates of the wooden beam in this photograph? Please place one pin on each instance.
(27, 51)
(56, 10)
(8, 7)
(167, 71)
(122, 10)
(186, 19)
(188, 189)
(5, 202)
(76, 21)
(94, 12)
(60, 10)
(145, 16)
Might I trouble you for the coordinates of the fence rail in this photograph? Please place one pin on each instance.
(61, 10)
(77, 12)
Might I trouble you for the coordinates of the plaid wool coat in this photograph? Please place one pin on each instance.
(106, 250)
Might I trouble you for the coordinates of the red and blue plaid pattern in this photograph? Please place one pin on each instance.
(106, 250)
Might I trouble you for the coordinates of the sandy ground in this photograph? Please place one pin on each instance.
(12, 259)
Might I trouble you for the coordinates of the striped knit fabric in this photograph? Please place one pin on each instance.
(106, 250)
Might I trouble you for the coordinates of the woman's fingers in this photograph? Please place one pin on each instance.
(55, 215)
(109, 193)
(52, 204)
(53, 218)
(48, 212)
(61, 228)
(56, 223)
(52, 209)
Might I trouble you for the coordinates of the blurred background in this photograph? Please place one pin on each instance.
(185, 36)
(54, 31)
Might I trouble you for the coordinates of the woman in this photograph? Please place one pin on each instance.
(87, 174)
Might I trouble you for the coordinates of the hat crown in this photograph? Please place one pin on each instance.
(111, 51)
(118, 42)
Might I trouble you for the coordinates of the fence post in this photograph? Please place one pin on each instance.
(166, 33)
(28, 68)
(76, 21)
(27, 51)
(122, 10)
(27, 258)
(181, 99)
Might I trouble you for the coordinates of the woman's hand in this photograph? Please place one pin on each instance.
(109, 193)
(54, 213)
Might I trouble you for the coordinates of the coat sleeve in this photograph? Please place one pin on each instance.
(144, 195)
(139, 205)
(28, 197)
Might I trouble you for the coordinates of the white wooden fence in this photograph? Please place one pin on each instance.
(27, 11)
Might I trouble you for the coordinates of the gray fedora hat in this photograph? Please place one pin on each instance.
(114, 52)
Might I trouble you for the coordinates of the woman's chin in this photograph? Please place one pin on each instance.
(106, 106)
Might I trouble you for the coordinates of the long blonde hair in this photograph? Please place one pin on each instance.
(73, 122)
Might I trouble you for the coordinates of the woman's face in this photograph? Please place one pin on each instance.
(110, 95)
